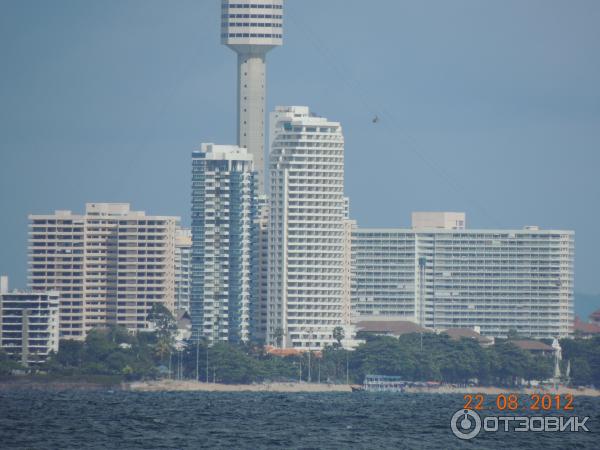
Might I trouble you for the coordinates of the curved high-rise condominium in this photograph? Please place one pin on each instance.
(251, 28)
(306, 234)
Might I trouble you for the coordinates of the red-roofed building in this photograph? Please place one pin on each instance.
(595, 317)
(383, 327)
(469, 333)
(585, 329)
(533, 346)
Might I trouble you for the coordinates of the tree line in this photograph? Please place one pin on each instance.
(583, 355)
(431, 357)
(428, 357)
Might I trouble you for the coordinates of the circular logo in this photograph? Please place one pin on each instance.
(465, 424)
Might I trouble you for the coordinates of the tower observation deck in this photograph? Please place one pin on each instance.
(251, 28)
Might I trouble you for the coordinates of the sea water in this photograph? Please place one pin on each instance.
(39, 419)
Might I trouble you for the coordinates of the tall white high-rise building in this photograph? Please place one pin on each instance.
(110, 265)
(251, 28)
(306, 236)
(224, 227)
(442, 275)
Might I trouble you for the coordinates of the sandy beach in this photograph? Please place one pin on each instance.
(185, 385)
(189, 385)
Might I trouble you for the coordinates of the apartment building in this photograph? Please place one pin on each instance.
(259, 308)
(28, 324)
(442, 275)
(110, 265)
(224, 236)
(306, 235)
(183, 268)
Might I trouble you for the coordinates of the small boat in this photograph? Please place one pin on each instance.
(384, 383)
(357, 388)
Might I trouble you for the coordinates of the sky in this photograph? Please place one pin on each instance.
(492, 108)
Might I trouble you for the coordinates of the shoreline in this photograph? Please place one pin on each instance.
(56, 383)
(192, 386)
(167, 385)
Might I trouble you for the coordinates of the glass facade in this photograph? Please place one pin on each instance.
(224, 229)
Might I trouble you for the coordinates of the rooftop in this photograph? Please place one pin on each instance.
(531, 345)
(301, 115)
(390, 327)
(456, 223)
(223, 152)
(443, 220)
(504, 232)
(458, 333)
(109, 209)
(100, 209)
(581, 327)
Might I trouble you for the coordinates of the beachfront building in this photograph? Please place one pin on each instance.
(442, 275)
(28, 324)
(224, 228)
(306, 234)
(348, 225)
(183, 268)
(259, 308)
(110, 265)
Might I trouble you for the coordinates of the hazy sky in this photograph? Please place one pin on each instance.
(492, 108)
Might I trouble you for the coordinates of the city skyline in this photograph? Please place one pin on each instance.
(403, 200)
(451, 177)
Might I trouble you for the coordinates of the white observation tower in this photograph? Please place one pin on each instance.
(251, 28)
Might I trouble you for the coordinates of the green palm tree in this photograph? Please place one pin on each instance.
(338, 335)
(278, 336)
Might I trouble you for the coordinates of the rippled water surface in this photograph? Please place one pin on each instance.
(129, 420)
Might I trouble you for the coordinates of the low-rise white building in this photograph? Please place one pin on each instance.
(28, 324)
